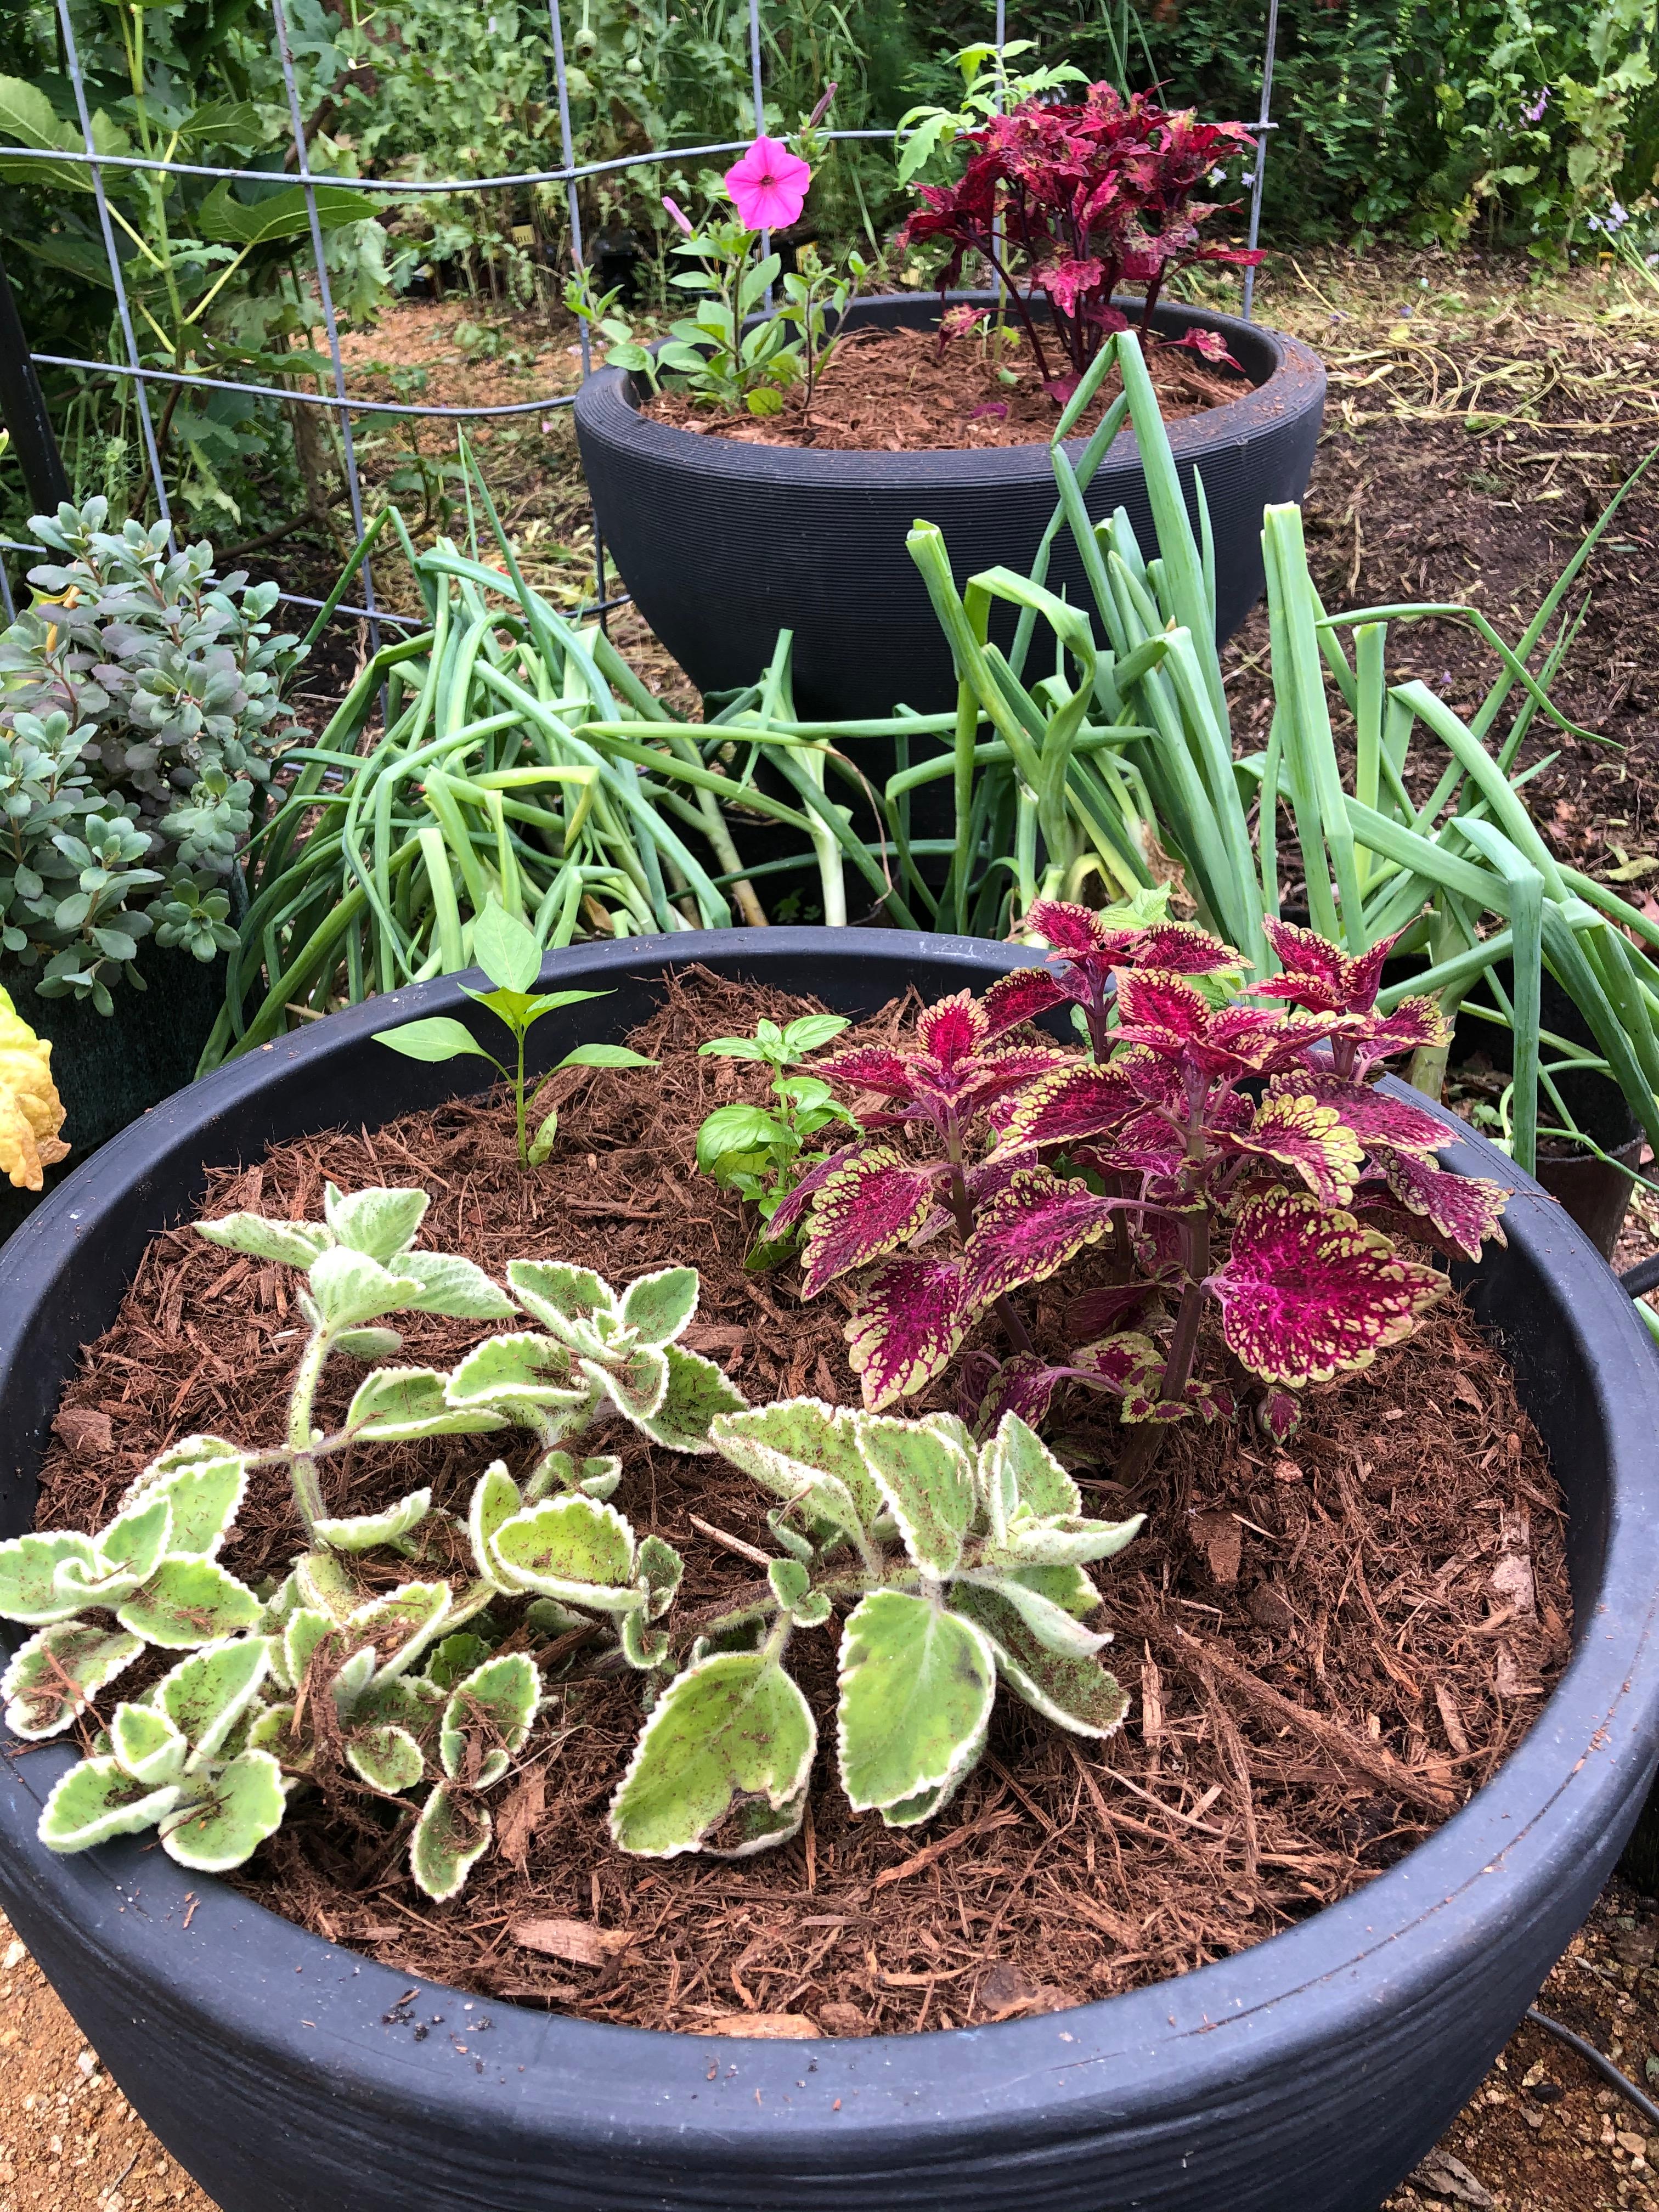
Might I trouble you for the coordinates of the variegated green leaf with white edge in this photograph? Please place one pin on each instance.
(452, 1661)
(596, 1476)
(790, 1582)
(272, 1729)
(400, 1625)
(496, 1703)
(911, 1812)
(189, 1602)
(916, 1689)
(54, 1677)
(124, 1555)
(697, 1393)
(1070, 1687)
(804, 1450)
(755, 1826)
(545, 1616)
(349, 1288)
(573, 1548)
(926, 1477)
(1066, 1587)
(98, 1800)
(28, 1564)
(409, 1700)
(326, 1584)
(148, 1745)
(378, 1221)
(196, 1451)
(658, 1568)
(642, 1647)
(566, 1300)
(361, 1532)
(1064, 1541)
(204, 1497)
(395, 1403)
(636, 1384)
(524, 1368)
(1019, 1471)
(350, 1681)
(223, 1816)
(734, 1726)
(495, 1498)
(660, 1307)
(292, 1243)
(1053, 1625)
(387, 1758)
(452, 1835)
(205, 1695)
(452, 1285)
(370, 1344)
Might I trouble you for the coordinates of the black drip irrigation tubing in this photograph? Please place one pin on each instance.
(1604, 2067)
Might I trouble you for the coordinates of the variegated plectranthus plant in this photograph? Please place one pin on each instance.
(1237, 1152)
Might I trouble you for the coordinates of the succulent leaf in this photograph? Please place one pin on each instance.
(452, 1835)
(448, 1285)
(400, 1625)
(96, 1801)
(350, 1288)
(697, 1391)
(732, 1726)
(927, 1481)
(187, 1602)
(916, 1689)
(203, 1497)
(205, 1695)
(524, 1368)
(53, 1678)
(222, 1816)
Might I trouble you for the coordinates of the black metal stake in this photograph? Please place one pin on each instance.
(23, 409)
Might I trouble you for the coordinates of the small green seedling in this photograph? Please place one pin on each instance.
(760, 1152)
(510, 954)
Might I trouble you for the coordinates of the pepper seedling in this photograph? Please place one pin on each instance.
(510, 954)
(760, 1152)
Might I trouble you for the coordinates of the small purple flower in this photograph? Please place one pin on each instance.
(1536, 112)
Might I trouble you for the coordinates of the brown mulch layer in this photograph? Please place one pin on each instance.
(907, 392)
(1330, 1646)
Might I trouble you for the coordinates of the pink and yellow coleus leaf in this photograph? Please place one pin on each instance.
(1021, 997)
(953, 1030)
(1082, 1100)
(807, 1189)
(1415, 1025)
(1307, 1293)
(1320, 975)
(1372, 1114)
(1309, 1138)
(910, 1325)
(1028, 1232)
(1465, 1209)
(868, 1207)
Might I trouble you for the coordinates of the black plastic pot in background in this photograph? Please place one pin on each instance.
(1310, 2072)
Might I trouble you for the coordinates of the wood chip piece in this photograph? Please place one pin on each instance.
(1223, 1540)
(1442, 2175)
(85, 1431)
(577, 1941)
(842, 2020)
(766, 2026)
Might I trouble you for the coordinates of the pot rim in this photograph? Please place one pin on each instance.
(607, 407)
(1173, 2048)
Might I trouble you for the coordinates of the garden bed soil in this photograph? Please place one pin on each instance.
(906, 392)
(1330, 1645)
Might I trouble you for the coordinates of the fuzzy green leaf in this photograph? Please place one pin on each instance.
(205, 1695)
(642, 1647)
(400, 1625)
(499, 1701)
(1029, 1469)
(561, 1297)
(95, 1800)
(146, 1744)
(303, 1632)
(789, 1584)
(452, 1660)
(734, 1726)
(573, 1548)
(660, 1306)
(1070, 1687)
(189, 1602)
(916, 1688)
(204, 1497)
(494, 1499)
(350, 1288)
(454, 1286)
(293, 1243)
(361, 1532)
(697, 1392)
(28, 1592)
(522, 1370)
(226, 1815)
(53, 1678)
(658, 1568)
(927, 1479)
(378, 1222)
(1064, 1541)
(326, 1584)
(801, 1448)
(387, 1758)
(398, 1402)
(452, 1835)
(369, 1345)
(636, 1384)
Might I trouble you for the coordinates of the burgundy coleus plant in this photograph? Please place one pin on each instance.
(1077, 199)
(1233, 1148)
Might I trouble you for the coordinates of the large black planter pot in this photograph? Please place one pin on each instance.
(723, 545)
(1306, 2075)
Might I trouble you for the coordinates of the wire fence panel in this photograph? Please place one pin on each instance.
(340, 403)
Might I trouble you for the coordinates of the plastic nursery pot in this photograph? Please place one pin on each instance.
(724, 544)
(1312, 2070)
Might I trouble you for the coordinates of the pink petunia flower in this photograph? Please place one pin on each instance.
(681, 220)
(769, 185)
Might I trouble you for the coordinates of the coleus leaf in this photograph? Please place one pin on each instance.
(53, 1678)
(1028, 1232)
(1070, 1104)
(1415, 1025)
(1099, 1311)
(497, 1704)
(870, 1207)
(394, 1403)
(880, 1068)
(927, 1478)
(732, 1726)
(1318, 973)
(362, 1532)
(804, 1450)
(452, 1835)
(573, 1548)
(911, 1322)
(1465, 1209)
(952, 1030)
(1076, 931)
(1023, 1384)
(916, 1688)
(1180, 948)
(1070, 1688)
(697, 1392)
(794, 1202)
(1020, 996)
(1374, 1116)
(1306, 1293)
(98, 1800)
(1315, 1140)
(222, 1817)
(188, 1602)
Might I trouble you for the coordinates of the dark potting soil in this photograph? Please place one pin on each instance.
(1329, 1646)
(900, 391)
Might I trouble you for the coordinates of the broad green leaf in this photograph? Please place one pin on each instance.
(438, 1038)
(495, 1498)
(378, 1221)
(605, 1055)
(203, 1497)
(386, 1758)
(134, 1541)
(95, 1800)
(789, 1582)
(189, 1602)
(1070, 1687)
(808, 1031)
(400, 1625)
(369, 1345)
(327, 1585)
(636, 1385)
(526, 1368)
(803, 1449)
(452, 1285)
(27, 1567)
(697, 1392)
(735, 1130)
(927, 1479)
(1026, 1465)
(734, 1726)
(226, 1816)
(350, 1680)
(573, 1548)
(350, 1288)
(304, 1630)
(53, 1678)
(660, 1306)
(734, 1048)
(657, 1567)
(28, 118)
(911, 1812)
(1067, 1587)
(455, 1657)
(146, 1745)
(273, 1731)
(278, 215)
(295, 1243)
(916, 1688)
(505, 948)
(1053, 1627)
(452, 1835)
(499, 1701)
(205, 1695)
(396, 1402)
(561, 1297)
(1064, 1541)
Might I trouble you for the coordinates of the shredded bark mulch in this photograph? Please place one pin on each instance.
(903, 391)
(1330, 1646)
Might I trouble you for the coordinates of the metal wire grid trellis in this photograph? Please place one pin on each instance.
(341, 402)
